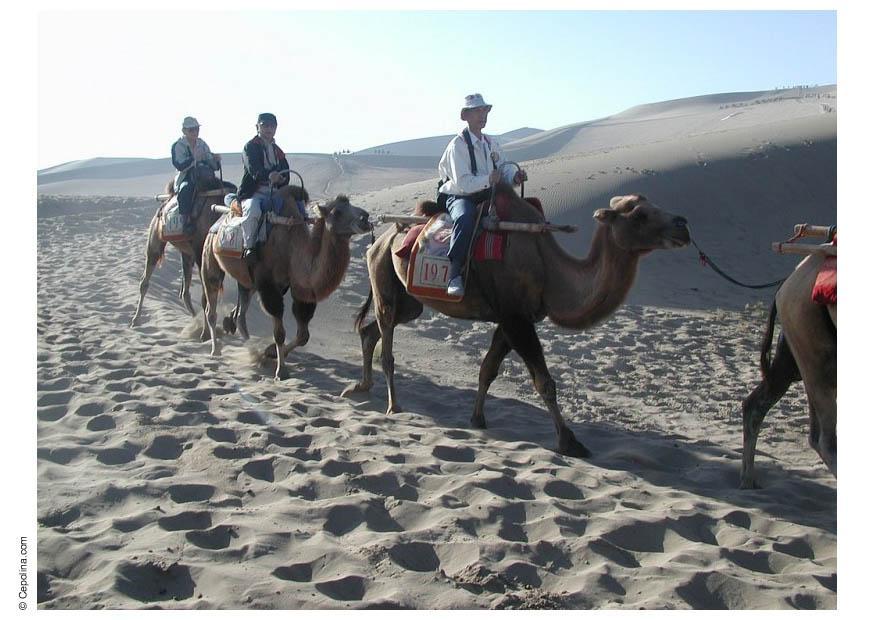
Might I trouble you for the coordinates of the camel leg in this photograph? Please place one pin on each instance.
(154, 250)
(212, 283)
(777, 380)
(498, 350)
(244, 296)
(823, 422)
(524, 340)
(303, 312)
(370, 336)
(272, 302)
(185, 290)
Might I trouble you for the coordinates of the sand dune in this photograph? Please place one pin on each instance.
(170, 479)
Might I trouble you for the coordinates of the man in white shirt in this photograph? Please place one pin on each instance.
(470, 171)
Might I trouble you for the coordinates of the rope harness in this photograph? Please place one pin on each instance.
(705, 260)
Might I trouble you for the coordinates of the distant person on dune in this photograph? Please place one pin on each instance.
(263, 163)
(470, 166)
(192, 158)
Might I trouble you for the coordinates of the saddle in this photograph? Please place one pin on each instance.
(825, 291)
(427, 245)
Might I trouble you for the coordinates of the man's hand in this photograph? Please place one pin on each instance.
(217, 157)
(274, 177)
(494, 177)
(520, 176)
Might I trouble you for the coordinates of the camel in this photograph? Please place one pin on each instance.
(190, 249)
(536, 279)
(806, 350)
(310, 261)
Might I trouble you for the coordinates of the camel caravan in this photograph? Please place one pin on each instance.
(479, 252)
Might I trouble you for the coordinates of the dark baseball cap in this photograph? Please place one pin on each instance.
(267, 118)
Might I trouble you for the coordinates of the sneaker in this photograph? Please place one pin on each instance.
(250, 256)
(456, 288)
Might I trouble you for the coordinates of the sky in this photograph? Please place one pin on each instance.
(118, 83)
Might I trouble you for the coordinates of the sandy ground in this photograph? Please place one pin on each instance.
(170, 479)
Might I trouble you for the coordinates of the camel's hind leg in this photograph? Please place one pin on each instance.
(154, 251)
(498, 350)
(777, 380)
(407, 309)
(211, 280)
(521, 335)
(185, 288)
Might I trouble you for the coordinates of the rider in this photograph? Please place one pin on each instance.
(262, 162)
(192, 158)
(467, 186)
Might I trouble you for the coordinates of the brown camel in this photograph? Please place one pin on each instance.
(536, 279)
(310, 261)
(806, 350)
(191, 249)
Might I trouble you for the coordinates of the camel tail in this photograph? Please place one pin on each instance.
(363, 311)
(766, 344)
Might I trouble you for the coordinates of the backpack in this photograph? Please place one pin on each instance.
(442, 198)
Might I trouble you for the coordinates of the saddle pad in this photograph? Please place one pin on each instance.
(825, 289)
(428, 274)
(229, 232)
(172, 222)
(487, 246)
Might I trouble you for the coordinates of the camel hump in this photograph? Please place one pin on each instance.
(427, 208)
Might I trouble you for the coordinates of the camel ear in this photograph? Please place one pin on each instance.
(617, 200)
(604, 215)
(322, 210)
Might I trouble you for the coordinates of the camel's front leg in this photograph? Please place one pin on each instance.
(524, 340)
(498, 350)
(303, 312)
(185, 290)
(154, 250)
(244, 296)
(370, 336)
(272, 302)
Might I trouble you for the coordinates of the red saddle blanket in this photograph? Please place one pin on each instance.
(825, 289)
(487, 246)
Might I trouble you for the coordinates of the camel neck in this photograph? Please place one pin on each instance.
(326, 256)
(580, 293)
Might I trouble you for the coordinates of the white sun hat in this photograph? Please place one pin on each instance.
(475, 101)
(190, 122)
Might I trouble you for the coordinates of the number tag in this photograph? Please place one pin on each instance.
(433, 272)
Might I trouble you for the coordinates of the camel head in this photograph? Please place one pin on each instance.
(637, 225)
(343, 219)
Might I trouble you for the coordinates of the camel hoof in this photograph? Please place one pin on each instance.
(749, 484)
(569, 446)
(478, 422)
(228, 325)
(134, 322)
(394, 409)
(244, 333)
(355, 388)
(282, 374)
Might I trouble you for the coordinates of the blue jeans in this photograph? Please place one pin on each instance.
(262, 200)
(185, 197)
(463, 210)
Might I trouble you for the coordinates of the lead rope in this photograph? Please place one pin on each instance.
(705, 260)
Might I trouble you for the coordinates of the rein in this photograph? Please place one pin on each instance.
(705, 260)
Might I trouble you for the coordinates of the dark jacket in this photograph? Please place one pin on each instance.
(255, 169)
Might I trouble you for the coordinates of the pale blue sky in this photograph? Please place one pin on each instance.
(117, 84)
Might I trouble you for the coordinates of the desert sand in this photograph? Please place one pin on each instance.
(171, 479)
